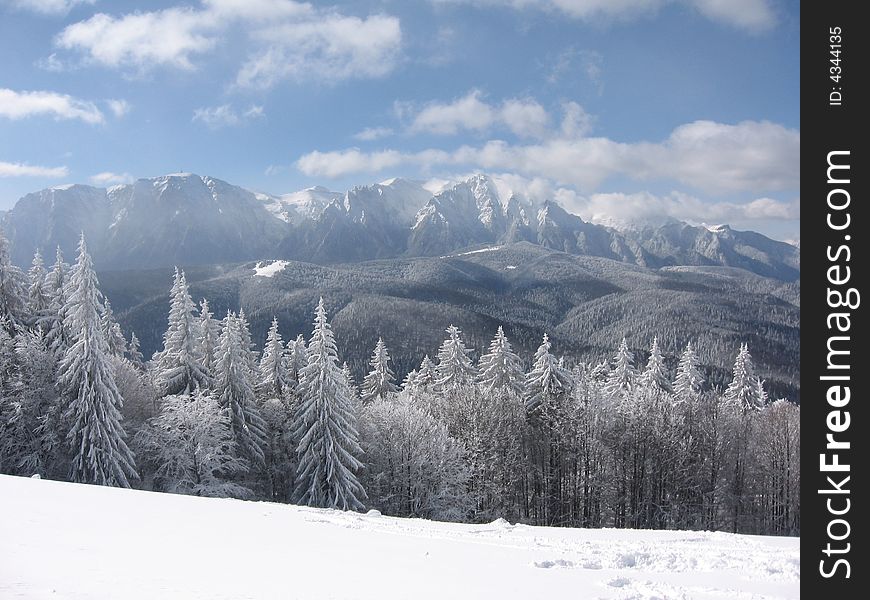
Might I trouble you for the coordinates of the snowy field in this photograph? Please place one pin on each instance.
(61, 540)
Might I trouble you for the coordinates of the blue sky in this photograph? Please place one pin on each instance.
(619, 108)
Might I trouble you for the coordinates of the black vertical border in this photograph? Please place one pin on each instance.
(826, 128)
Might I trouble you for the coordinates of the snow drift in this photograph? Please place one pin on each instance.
(64, 540)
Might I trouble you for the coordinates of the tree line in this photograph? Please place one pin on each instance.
(614, 444)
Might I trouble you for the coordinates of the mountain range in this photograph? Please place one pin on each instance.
(189, 219)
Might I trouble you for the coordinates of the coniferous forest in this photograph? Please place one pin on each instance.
(621, 443)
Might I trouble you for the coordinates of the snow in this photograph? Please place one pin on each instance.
(470, 252)
(510, 267)
(270, 268)
(77, 541)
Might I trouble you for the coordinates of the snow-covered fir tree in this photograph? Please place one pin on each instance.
(209, 331)
(52, 321)
(500, 367)
(192, 447)
(380, 381)
(297, 357)
(622, 377)
(326, 427)
(134, 355)
(409, 383)
(745, 391)
(112, 330)
(426, 374)
(12, 290)
(38, 295)
(689, 380)
(455, 369)
(654, 376)
(547, 380)
(236, 391)
(96, 437)
(274, 375)
(179, 365)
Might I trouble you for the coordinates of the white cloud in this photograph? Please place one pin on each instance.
(19, 105)
(8, 169)
(109, 178)
(618, 208)
(326, 49)
(225, 115)
(49, 7)
(370, 134)
(711, 157)
(141, 40)
(119, 108)
(286, 40)
(524, 117)
(751, 15)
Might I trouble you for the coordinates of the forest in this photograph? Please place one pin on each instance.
(619, 443)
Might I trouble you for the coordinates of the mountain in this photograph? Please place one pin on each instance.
(585, 303)
(188, 219)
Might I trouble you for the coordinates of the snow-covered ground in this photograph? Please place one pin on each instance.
(61, 540)
(269, 268)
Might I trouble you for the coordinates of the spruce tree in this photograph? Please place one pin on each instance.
(325, 425)
(547, 380)
(500, 367)
(236, 392)
(689, 380)
(426, 374)
(380, 382)
(274, 375)
(38, 296)
(52, 321)
(209, 331)
(455, 369)
(133, 353)
(297, 357)
(97, 438)
(654, 376)
(622, 377)
(180, 364)
(12, 289)
(745, 391)
(112, 330)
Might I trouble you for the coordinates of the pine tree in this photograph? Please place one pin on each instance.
(689, 380)
(745, 390)
(38, 296)
(622, 377)
(236, 392)
(455, 369)
(180, 364)
(247, 342)
(97, 437)
(380, 382)
(546, 380)
(426, 374)
(209, 331)
(326, 428)
(654, 376)
(500, 367)
(12, 292)
(274, 376)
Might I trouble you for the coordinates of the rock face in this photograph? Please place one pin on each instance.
(189, 219)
